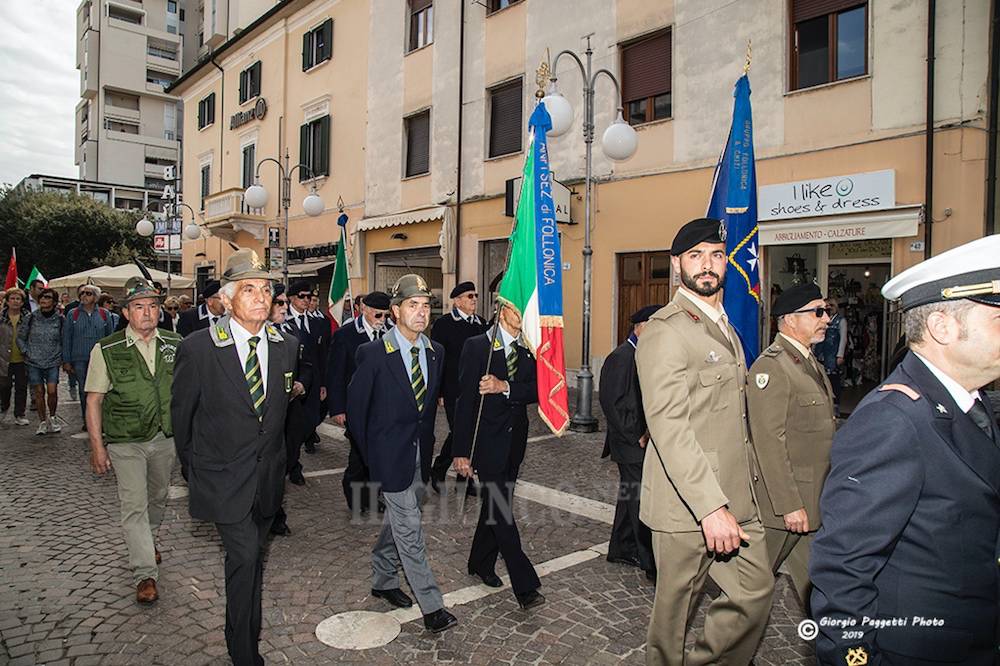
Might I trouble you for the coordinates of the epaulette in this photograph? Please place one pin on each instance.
(272, 333)
(671, 309)
(773, 351)
(901, 388)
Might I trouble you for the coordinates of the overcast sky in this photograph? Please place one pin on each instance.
(39, 88)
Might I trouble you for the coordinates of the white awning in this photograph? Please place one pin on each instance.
(307, 269)
(892, 223)
(399, 219)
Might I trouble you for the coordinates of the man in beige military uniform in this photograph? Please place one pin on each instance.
(696, 481)
(791, 418)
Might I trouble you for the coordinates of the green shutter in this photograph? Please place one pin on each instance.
(243, 85)
(322, 160)
(327, 49)
(307, 43)
(304, 152)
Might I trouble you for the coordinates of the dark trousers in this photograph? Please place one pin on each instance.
(244, 542)
(630, 538)
(16, 381)
(497, 533)
(441, 464)
(356, 478)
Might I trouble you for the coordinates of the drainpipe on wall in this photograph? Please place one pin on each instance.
(222, 114)
(458, 179)
(991, 226)
(929, 132)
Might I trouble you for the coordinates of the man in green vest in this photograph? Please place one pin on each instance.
(128, 418)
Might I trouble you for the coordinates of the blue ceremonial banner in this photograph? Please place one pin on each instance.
(734, 199)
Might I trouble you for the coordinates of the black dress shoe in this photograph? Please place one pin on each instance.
(439, 620)
(630, 561)
(490, 579)
(381, 505)
(395, 596)
(471, 489)
(530, 599)
(434, 484)
(281, 529)
(295, 476)
(310, 447)
(651, 575)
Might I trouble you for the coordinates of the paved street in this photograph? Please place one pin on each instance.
(66, 598)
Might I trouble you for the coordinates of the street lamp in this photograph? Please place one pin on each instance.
(619, 143)
(256, 197)
(145, 228)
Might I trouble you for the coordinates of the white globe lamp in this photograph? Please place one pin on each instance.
(313, 205)
(561, 112)
(192, 231)
(255, 196)
(144, 228)
(620, 140)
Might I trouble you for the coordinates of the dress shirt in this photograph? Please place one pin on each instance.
(301, 318)
(241, 337)
(964, 399)
(718, 315)
(406, 355)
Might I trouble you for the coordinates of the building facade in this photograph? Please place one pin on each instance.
(841, 133)
(115, 195)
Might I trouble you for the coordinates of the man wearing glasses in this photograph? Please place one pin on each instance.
(368, 327)
(790, 403)
(452, 331)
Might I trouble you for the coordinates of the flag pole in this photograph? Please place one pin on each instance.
(343, 240)
(541, 78)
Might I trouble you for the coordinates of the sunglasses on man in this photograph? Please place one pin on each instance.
(280, 301)
(819, 312)
(303, 295)
(379, 315)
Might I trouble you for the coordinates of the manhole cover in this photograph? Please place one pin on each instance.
(358, 630)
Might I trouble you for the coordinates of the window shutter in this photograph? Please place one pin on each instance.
(201, 114)
(803, 10)
(418, 5)
(211, 108)
(326, 49)
(505, 120)
(646, 68)
(307, 45)
(243, 85)
(304, 152)
(418, 144)
(322, 159)
(256, 76)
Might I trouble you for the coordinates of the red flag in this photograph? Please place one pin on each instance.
(11, 280)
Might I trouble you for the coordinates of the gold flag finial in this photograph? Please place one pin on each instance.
(746, 66)
(542, 75)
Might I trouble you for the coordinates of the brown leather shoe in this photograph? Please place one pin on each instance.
(158, 558)
(145, 591)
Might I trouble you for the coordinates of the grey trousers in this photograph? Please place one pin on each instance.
(401, 541)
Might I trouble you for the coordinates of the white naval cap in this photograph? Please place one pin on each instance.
(969, 271)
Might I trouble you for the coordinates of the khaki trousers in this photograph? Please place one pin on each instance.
(735, 620)
(143, 474)
(792, 550)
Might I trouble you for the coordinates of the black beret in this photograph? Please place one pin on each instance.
(462, 288)
(702, 230)
(211, 288)
(377, 299)
(795, 298)
(299, 286)
(644, 314)
(279, 289)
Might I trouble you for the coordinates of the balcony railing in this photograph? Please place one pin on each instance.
(229, 203)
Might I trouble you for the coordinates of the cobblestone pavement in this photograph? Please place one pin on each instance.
(66, 598)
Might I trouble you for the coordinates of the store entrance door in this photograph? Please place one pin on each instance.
(425, 262)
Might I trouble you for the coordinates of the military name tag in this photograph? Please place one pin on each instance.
(288, 382)
(762, 379)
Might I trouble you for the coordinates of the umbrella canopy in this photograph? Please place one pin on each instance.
(114, 277)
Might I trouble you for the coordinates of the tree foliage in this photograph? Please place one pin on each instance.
(64, 233)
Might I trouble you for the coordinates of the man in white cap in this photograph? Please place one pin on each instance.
(905, 566)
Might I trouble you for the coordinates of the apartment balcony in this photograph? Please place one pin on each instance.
(121, 113)
(163, 64)
(226, 215)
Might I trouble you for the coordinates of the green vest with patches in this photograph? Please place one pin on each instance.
(138, 404)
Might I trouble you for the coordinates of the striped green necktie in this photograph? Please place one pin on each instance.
(254, 379)
(511, 362)
(417, 378)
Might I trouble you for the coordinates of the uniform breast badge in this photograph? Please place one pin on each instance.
(713, 357)
(288, 382)
(857, 656)
(762, 379)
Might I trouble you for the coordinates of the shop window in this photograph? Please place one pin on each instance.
(505, 119)
(829, 41)
(646, 78)
(418, 134)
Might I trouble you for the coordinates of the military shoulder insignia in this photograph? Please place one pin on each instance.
(693, 316)
(857, 656)
(762, 379)
(772, 351)
(387, 343)
(901, 388)
(289, 377)
(221, 333)
(941, 408)
(497, 344)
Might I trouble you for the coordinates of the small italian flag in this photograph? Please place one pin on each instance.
(532, 284)
(35, 275)
(339, 286)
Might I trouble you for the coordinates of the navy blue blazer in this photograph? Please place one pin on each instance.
(503, 426)
(911, 527)
(382, 412)
(341, 364)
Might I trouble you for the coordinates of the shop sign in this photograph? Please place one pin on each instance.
(866, 249)
(256, 112)
(275, 258)
(560, 197)
(855, 193)
(791, 233)
(301, 254)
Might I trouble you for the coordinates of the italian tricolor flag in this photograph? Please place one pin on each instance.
(35, 275)
(532, 284)
(339, 285)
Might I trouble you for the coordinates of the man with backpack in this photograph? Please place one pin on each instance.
(84, 326)
(40, 340)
